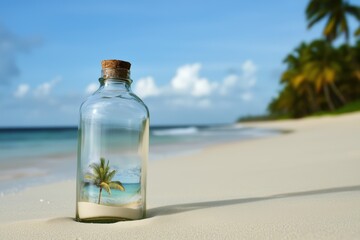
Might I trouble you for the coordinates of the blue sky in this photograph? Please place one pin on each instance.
(193, 62)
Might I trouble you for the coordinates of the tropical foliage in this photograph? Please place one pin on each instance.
(319, 76)
(102, 176)
(335, 12)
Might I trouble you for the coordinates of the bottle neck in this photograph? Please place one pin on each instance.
(115, 79)
(113, 84)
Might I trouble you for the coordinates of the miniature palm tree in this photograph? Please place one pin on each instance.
(101, 176)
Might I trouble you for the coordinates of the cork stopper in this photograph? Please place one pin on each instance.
(116, 69)
(113, 63)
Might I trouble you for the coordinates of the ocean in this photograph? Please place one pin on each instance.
(32, 156)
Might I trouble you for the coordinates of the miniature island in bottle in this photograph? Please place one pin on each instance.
(113, 142)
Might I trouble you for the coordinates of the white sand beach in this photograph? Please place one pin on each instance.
(300, 185)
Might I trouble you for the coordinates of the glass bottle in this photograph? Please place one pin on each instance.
(113, 141)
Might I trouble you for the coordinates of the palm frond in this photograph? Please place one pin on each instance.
(106, 187)
(316, 18)
(102, 174)
(329, 75)
(90, 176)
(335, 12)
(298, 80)
(357, 32)
(354, 11)
(96, 168)
(330, 26)
(111, 175)
(117, 185)
(102, 163)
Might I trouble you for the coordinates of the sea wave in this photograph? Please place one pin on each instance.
(176, 131)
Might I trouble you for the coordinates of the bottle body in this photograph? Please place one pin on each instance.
(113, 142)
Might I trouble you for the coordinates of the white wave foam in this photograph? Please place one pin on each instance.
(176, 131)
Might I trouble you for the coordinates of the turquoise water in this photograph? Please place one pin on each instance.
(36, 142)
(40, 155)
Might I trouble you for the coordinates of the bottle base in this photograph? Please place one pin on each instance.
(92, 212)
(102, 220)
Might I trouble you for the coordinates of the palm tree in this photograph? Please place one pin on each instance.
(335, 11)
(349, 58)
(294, 75)
(101, 176)
(288, 104)
(323, 68)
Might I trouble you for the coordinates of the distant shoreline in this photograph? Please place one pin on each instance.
(47, 128)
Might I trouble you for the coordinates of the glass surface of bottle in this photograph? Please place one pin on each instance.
(113, 140)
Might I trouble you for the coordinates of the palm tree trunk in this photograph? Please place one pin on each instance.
(328, 98)
(100, 195)
(347, 37)
(337, 93)
(313, 102)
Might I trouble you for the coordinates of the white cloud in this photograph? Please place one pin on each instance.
(247, 96)
(240, 83)
(91, 88)
(230, 80)
(249, 67)
(45, 88)
(248, 73)
(202, 87)
(21, 90)
(187, 81)
(228, 83)
(188, 89)
(185, 77)
(146, 87)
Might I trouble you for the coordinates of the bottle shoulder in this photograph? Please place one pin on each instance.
(115, 102)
